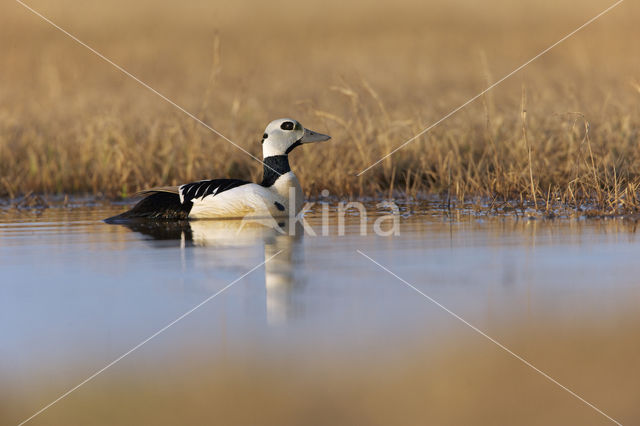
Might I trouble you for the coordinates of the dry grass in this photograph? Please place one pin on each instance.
(371, 76)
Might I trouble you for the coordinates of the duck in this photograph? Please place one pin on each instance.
(279, 194)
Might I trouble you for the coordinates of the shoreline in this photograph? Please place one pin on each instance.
(408, 206)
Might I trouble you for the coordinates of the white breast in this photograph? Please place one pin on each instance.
(283, 187)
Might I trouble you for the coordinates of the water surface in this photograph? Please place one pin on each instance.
(319, 334)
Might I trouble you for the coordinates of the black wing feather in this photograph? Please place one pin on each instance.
(157, 206)
(203, 188)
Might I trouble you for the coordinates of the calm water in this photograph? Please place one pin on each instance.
(319, 334)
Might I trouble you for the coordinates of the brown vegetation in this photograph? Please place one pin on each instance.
(562, 131)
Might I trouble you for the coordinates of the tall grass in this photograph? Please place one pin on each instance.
(563, 131)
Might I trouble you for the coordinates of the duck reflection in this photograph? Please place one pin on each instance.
(280, 271)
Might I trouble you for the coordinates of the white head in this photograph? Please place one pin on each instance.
(283, 135)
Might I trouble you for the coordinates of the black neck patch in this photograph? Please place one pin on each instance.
(274, 166)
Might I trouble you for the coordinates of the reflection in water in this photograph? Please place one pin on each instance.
(280, 282)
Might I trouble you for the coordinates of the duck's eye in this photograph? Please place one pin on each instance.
(265, 136)
(287, 125)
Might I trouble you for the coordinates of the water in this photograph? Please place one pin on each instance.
(319, 334)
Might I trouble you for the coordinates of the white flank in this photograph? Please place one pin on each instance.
(246, 200)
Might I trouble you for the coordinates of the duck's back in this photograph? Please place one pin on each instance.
(215, 199)
(176, 202)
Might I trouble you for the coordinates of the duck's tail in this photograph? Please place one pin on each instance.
(159, 204)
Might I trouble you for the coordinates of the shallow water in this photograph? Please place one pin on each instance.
(319, 334)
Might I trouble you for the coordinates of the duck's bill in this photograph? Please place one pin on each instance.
(311, 136)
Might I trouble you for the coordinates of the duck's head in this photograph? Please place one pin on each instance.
(283, 135)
